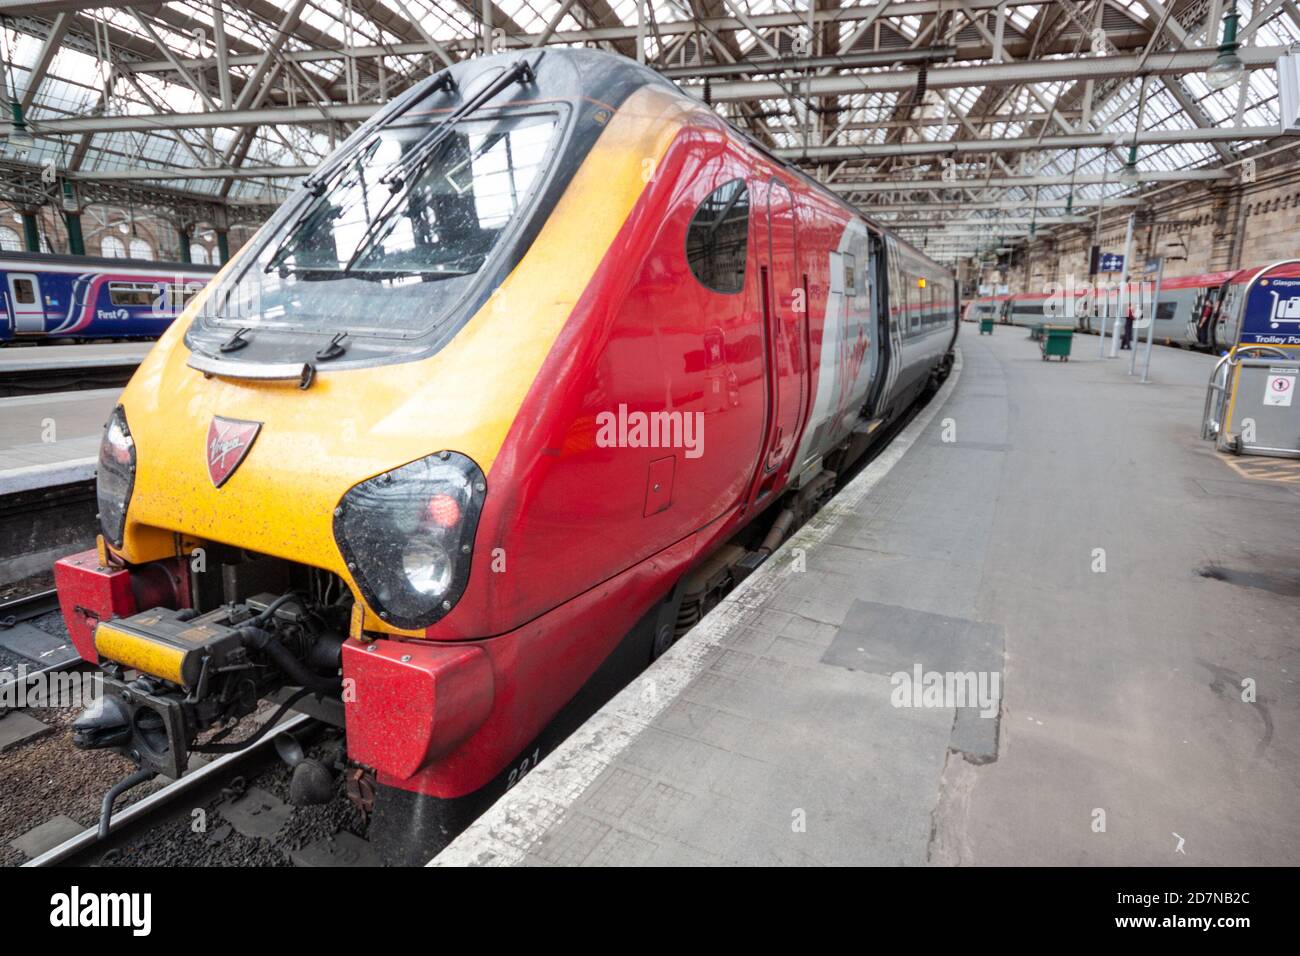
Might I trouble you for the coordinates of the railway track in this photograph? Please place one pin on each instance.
(133, 822)
(198, 786)
(28, 606)
(148, 828)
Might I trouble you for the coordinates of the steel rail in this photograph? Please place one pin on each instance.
(142, 809)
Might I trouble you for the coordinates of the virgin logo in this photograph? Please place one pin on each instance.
(228, 442)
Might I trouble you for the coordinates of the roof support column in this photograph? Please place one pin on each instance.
(223, 54)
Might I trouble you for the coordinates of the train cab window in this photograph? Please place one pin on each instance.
(850, 275)
(1166, 310)
(441, 224)
(718, 237)
(24, 292)
(399, 235)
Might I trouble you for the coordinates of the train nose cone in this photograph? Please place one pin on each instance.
(106, 723)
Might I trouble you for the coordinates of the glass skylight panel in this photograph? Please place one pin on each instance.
(533, 17)
(1022, 16)
(73, 85)
(443, 21)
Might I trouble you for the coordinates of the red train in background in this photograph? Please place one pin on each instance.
(1201, 311)
(540, 363)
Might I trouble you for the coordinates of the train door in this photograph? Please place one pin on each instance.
(26, 303)
(785, 320)
(865, 313)
(1223, 327)
(1206, 323)
(885, 352)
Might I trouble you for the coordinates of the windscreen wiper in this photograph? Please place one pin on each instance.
(334, 349)
(318, 182)
(405, 170)
(409, 163)
(235, 342)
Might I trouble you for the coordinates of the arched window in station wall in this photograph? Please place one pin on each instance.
(140, 249)
(112, 247)
(198, 254)
(10, 241)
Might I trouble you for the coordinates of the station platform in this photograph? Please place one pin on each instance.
(1126, 585)
(91, 355)
(33, 370)
(52, 439)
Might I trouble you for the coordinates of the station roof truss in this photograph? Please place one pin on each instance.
(968, 125)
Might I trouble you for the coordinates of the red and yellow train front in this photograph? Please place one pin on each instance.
(367, 460)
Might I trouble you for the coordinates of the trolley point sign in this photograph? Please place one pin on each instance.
(1271, 315)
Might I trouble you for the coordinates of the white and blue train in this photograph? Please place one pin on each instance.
(80, 298)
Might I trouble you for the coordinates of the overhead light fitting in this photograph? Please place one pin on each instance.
(1129, 174)
(19, 140)
(1227, 67)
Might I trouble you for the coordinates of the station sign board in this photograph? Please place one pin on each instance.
(1271, 312)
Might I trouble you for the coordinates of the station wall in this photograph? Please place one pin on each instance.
(101, 223)
(1212, 227)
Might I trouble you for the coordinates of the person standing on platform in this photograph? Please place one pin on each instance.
(1203, 326)
(1127, 340)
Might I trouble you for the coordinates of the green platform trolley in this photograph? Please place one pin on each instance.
(986, 325)
(1056, 341)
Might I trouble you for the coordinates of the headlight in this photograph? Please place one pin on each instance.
(115, 476)
(407, 534)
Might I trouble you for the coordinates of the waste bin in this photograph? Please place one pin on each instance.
(1056, 341)
(986, 325)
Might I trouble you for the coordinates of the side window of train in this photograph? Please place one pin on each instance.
(718, 237)
(850, 273)
(131, 293)
(24, 291)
